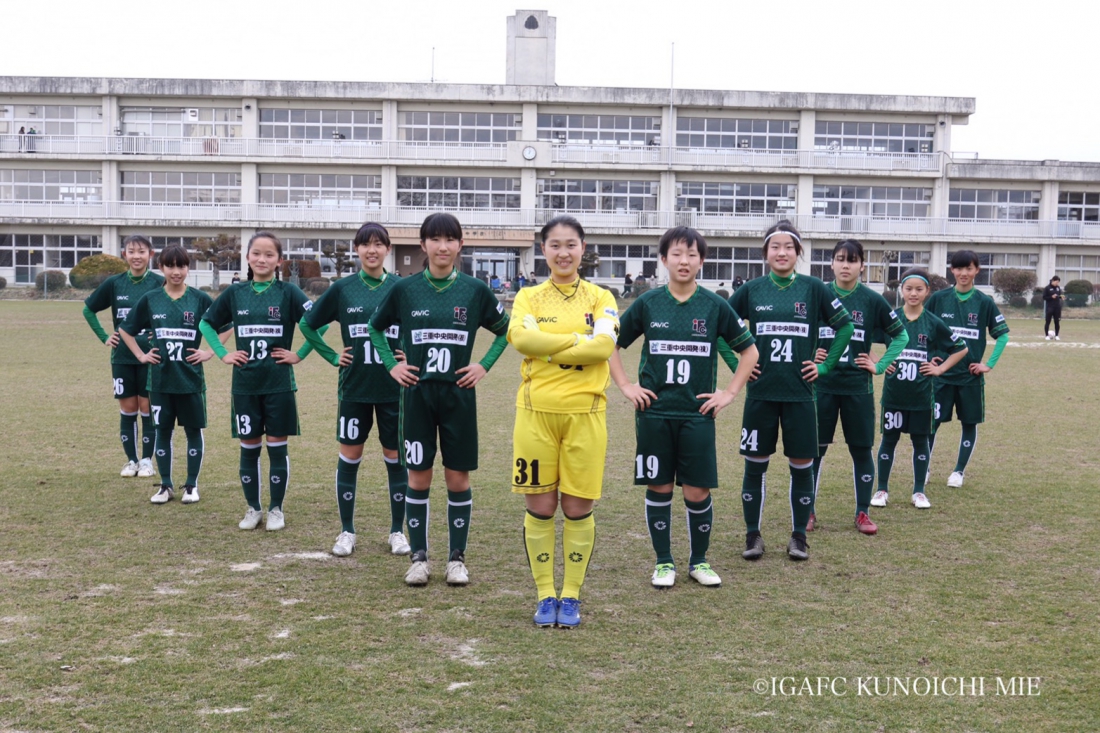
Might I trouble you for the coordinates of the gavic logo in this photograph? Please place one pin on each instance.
(122, 297)
(356, 309)
(418, 314)
(547, 319)
(159, 316)
(242, 313)
(763, 308)
(659, 324)
(947, 315)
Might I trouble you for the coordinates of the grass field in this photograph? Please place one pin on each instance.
(119, 615)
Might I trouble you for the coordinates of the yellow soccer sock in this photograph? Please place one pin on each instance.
(577, 540)
(538, 538)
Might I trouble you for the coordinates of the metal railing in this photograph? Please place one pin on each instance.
(744, 158)
(621, 219)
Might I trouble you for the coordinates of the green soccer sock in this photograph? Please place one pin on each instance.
(128, 433)
(863, 474)
(251, 474)
(460, 505)
(416, 510)
(347, 472)
(700, 518)
(196, 446)
(966, 445)
(164, 455)
(398, 477)
(658, 516)
(148, 433)
(886, 460)
(754, 489)
(821, 449)
(920, 462)
(278, 454)
(802, 496)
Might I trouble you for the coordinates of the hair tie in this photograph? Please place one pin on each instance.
(919, 277)
(793, 236)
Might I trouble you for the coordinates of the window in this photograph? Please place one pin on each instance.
(726, 263)
(884, 266)
(180, 187)
(30, 254)
(595, 195)
(321, 124)
(999, 204)
(32, 185)
(159, 243)
(182, 122)
(736, 198)
(325, 189)
(717, 132)
(466, 192)
(51, 119)
(1078, 206)
(881, 201)
(1078, 267)
(459, 127)
(603, 129)
(874, 137)
(311, 249)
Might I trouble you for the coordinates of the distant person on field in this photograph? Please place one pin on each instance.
(738, 282)
(1052, 305)
(236, 278)
(628, 282)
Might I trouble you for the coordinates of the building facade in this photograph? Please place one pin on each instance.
(85, 162)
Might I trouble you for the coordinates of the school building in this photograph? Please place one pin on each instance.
(86, 161)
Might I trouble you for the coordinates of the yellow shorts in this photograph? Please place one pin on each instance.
(559, 451)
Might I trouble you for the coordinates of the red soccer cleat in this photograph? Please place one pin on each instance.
(865, 525)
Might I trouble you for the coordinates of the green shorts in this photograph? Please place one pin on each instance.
(443, 407)
(355, 419)
(914, 422)
(857, 417)
(130, 380)
(760, 424)
(265, 414)
(672, 449)
(188, 410)
(966, 400)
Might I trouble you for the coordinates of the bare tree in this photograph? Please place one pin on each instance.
(219, 250)
(340, 254)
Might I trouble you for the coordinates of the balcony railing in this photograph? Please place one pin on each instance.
(352, 214)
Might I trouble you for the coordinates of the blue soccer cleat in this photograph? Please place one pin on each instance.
(569, 613)
(547, 612)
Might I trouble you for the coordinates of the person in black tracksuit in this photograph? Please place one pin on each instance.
(1052, 305)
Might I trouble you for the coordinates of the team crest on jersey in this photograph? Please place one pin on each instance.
(188, 318)
(460, 316)
(922, 340)
(800, 310)
(589, 320)
(273, 311)
(857, 318)
(972, 319)
(698, 327)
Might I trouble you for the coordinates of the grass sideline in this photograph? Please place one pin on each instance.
(119, 615)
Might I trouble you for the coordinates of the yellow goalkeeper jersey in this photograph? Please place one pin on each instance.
(563, 387)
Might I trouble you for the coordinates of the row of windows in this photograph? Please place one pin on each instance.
(736, 198)
(719, 132)
(182, 122)
(596, 195)
(320, 189)
(30, 253)
(1078, 267)
(320, 124)
(180, 187)
(581, 128)
(469, 127)
(51, 119)
(1078, 206)
(458, 192)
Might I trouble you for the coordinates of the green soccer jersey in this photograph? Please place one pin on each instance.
(786, 321)
(120, 293)
(970, 319)
(263, 321)
(870, 313)
(174, 329)
(680, 354)
(438, 321)
(907, 388)
(352, 301)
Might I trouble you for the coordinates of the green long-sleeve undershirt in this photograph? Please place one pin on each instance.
(317, 341)
(893, 351)
(836, 350)
(97, 327)
(998, 349)
(728, 355)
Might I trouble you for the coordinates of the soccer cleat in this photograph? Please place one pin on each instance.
(955, 480)
(398, 544)
(1057, 338)
(569, 613)
(920, 501)
(252, 519)
(275, 520)
(704, 575)
(418, 573)
(546, 613)
(754, 546)
(345, 543)
(865, 525)
(810, 524)
(797, 549)
(163, 496)
(456, 569)
(190, 494)
(1048, 338)
(129, 470)
(880, 498)
(145, 468)
(664, 575)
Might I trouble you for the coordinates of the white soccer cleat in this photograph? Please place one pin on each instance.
(880, 498)
(345, 543)
(252, 519)
(145, 468)
(664, 576)
(129, 470)
(190, 494)
(456, 569)
(398, 544)
(955, 480)
(418, 572)
(920, 501)
(275, 520)
(163, 496)
(704, 575)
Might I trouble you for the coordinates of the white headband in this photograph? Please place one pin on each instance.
(792, 235)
